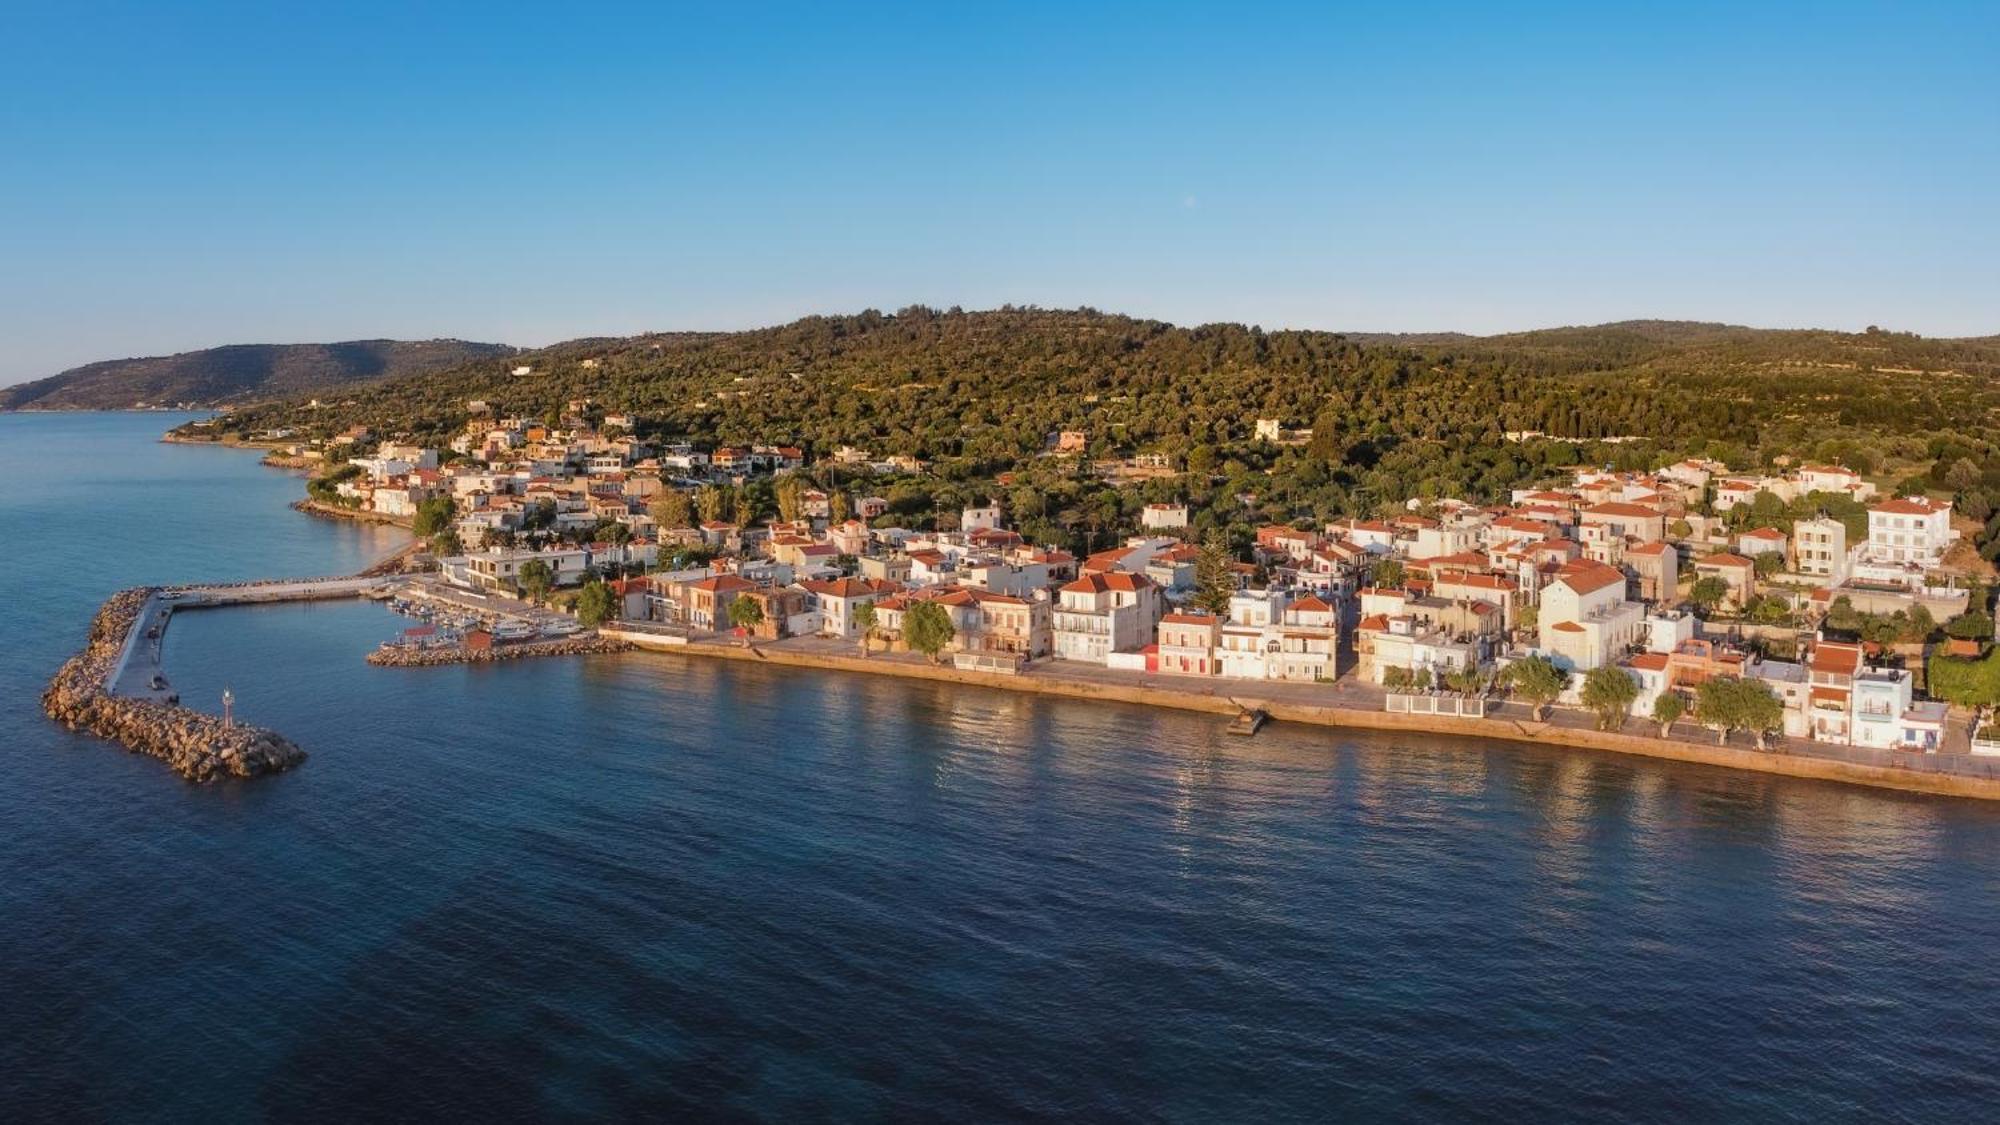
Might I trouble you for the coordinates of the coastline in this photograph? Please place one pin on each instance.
(313, 507)
(1136, 692)
(1352, 718)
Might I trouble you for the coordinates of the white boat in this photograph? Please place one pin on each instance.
(561, 628)
(513, 631)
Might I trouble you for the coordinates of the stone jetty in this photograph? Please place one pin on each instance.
(197, 746)
(410, 657)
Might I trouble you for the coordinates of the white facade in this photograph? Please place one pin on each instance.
(1909, 531)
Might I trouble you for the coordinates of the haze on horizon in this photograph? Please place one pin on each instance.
(230, 174)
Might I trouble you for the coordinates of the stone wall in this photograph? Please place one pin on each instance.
(459, 654)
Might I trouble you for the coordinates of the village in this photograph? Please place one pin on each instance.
(1800, 607)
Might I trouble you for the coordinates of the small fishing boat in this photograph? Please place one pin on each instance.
(1249, 721)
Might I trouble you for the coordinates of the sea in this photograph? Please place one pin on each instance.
(649, 888)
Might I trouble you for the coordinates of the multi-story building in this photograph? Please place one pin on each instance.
(1834, 666)
(1819, 548)
(1585, 620)
(1910, 530)
(1102, 613)
(1307, 641)
(1187, 643)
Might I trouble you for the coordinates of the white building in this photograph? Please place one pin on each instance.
(1819, 549)
(1910, 531)
(1099, 614)
(984, 517)
(1585, 620)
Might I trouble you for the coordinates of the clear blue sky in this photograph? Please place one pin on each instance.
(224, 173)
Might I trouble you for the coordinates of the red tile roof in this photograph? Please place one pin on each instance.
(1587, 576)
(1909, 506)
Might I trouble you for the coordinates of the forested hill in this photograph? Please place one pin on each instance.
(978, 393)
(991, 385)
(238, 373)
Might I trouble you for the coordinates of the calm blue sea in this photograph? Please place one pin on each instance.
(642, 888)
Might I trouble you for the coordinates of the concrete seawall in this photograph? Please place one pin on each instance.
(1509, 730)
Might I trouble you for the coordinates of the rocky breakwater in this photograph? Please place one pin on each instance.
(198, 747)
(413, 657)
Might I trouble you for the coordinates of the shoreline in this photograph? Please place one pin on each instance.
(313, 507)
(1352, 718)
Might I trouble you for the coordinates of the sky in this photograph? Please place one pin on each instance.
(181, 176)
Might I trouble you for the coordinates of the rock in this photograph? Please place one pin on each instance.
(196, 746)
(433, 657)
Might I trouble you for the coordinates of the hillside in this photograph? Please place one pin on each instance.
(990, 385)
(978, 394)
(238, 373)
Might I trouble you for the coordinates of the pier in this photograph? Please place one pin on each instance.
(138, 673)
(117, 689)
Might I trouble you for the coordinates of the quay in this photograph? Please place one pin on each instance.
(138, 673)
(1347, 705)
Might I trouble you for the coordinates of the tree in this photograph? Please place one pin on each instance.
(670, 509)
(1609, 691)
(1214, 577)
(1708, 593)
(864, 621)
(838, 508)
(1966, 683)
(539, 516)
(1972, 625)
(1766, 563)
(1465, 680)
(1386, 574)
(1667, 710)
(790, 495)
(534, 579)
(713, 502)
(433, 516)
(1396, 679)
(1763, 712)
(1730, 703)
(446, 543)
(595, 604)
(928, 628)
(1537, 680)
(746, 613)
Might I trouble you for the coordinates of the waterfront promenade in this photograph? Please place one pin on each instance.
(1350, 703)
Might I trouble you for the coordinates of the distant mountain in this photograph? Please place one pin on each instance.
(239, 373)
